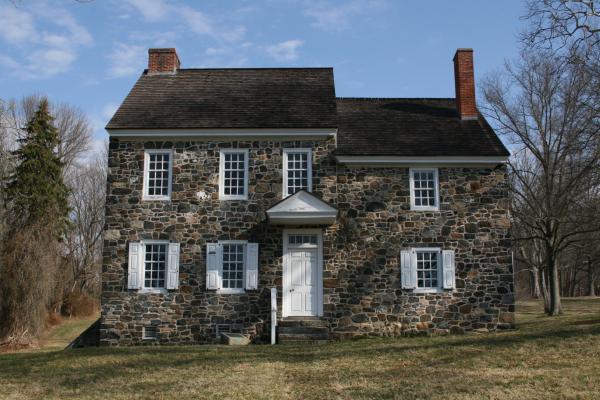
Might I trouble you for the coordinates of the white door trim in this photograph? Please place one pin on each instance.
(285, 266)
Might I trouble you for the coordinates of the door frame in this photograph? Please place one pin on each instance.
(285, 270)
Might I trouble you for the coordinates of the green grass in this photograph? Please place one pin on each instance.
(546, 358)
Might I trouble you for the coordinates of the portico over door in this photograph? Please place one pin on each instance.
(302, 273)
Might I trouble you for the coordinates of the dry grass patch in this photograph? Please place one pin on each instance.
(545, 358)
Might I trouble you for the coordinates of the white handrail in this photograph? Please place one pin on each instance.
(273, 315)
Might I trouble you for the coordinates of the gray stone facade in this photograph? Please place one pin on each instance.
(362, 292)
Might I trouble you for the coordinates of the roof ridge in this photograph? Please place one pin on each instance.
(248, 68)
(395, 98)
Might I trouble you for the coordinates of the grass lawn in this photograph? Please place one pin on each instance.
(545, 358)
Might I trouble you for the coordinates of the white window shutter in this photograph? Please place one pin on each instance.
(252, 266)
(449, 273)
(134, 267)
(173, 266)
(408, 274)
(214, 265)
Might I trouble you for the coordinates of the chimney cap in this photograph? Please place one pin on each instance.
(163, 50)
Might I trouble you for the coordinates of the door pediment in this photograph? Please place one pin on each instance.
(302, 208)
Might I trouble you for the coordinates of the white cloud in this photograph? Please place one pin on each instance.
(126, 59)
(285, 51)
(40, 52)
(17, 26)
(331, 17)
(158, 39)
(48, 62)
(151, 10)
(108, 111)
(193, 19)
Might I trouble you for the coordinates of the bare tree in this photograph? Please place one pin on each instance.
(88, 185)
(542, 106)
(73, 126)
(562, 24)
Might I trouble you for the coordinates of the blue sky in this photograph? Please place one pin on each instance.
(89, 54)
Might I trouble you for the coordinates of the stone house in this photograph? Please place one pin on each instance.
(369, 216)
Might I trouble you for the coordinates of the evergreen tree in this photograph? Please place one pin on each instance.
(36, 191)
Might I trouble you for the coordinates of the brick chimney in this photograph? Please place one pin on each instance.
(464, 79)
(161, 61)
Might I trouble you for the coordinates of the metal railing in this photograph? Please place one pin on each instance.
(273, 315)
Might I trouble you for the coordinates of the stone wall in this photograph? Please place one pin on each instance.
(362, 291)
(363, 294)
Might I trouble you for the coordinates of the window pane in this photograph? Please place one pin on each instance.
(234, 171)
(155, 265)
(297, 172)
(158, 174)
(233, 266)
(424, 184)
(427, 269)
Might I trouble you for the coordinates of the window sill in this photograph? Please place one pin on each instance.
(231, 291)
(227, 198)
(424, 209)
(428, 291)
(153, 291)
(157, 198)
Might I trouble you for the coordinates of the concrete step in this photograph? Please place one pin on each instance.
(295, 321)
(303, 329)
(304, 342)
(297, 337)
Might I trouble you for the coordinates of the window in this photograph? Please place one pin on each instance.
(233, 266)
(149, 333)
(157, 175)
(233, 175)
(297, 170)
(155, 265)
(299, 240)
(424, 189)
(427, 269)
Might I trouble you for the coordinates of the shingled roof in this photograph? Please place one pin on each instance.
(411, 127)
(230, 98)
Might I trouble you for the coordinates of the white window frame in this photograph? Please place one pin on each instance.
(287, 151)
(222, 195)
(234, 290)
(414, 207)
(145, 289)
(147, 153)
(440, 270)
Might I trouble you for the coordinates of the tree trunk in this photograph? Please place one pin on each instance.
(554, 283)
(545, 293)
(592, 281)
(535, 283)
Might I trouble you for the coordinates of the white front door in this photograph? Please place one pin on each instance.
(302, 283)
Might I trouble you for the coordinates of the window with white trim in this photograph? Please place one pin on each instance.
(157, 174)
(297, 170)
(424, 189)
(428, 269)
(155, 265)
(233, 174)
(233, 266)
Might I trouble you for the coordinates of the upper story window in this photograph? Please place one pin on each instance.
(157, 174)
(424, 189)
(233, 175)
(297, 170)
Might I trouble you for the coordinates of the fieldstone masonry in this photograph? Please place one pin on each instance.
(362, 289)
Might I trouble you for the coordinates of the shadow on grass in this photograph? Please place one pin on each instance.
(78, 368)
